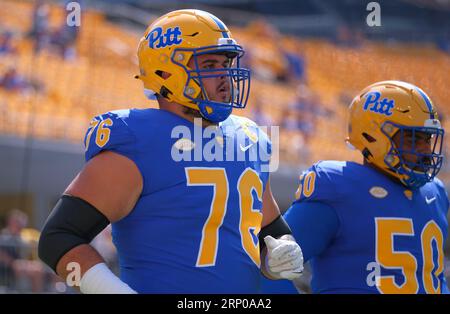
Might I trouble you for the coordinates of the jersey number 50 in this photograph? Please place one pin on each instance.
(387, 257)
(250, 218)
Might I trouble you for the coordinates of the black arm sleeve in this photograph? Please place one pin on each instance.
(72, 222)
(277, 228)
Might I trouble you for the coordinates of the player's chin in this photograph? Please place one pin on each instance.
(420, 168)
(420, 165)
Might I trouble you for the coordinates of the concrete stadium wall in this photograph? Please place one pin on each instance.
(52, 166)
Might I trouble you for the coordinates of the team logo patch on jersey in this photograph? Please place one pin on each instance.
(184, 144)
(378, 192)
(251, 135)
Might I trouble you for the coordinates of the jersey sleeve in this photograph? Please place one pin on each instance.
(313, 216)
(109, 131)
(313, 225)
(320, 183)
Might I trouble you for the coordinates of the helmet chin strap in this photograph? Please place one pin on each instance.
(216, 114)
(413, 179)
(213, 114)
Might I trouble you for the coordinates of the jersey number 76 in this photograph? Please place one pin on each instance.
(250, 219)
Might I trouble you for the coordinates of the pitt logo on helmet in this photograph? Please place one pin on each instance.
(169, 38)
(384, 107)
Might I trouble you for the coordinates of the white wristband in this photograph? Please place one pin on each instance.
(99, 279)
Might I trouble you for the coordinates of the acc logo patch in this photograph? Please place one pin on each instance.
(156, 38)
(251, 135)
(184, 144)
(384, 106)
(219, 140)
(378, 192)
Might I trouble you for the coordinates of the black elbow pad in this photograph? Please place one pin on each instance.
(72, 222)
(277, 228)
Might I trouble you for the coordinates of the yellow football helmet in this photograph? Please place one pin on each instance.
(168, 45)
(382, 110)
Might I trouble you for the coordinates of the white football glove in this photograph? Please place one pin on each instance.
(284, 259)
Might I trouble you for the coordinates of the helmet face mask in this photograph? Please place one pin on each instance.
(236, 81)
(396, 127)
(173, 44)
(415, 153)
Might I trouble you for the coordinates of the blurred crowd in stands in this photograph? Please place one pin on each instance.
(301, 85)
(21, 270)
(60, 40)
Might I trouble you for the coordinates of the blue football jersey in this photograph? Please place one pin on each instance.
(194, 228)
(380, 237)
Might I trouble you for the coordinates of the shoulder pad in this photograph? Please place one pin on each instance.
(109, 131)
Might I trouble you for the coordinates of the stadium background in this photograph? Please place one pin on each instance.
(309, 58)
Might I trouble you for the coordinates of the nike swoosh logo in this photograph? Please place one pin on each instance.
(431, 200)
(245, 148)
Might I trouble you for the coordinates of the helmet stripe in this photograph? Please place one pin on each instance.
(221, 25)
(427, 101)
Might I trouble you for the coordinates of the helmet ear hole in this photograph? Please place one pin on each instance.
(162, 74)
(366, 153)
(165, 92)
(369, 138)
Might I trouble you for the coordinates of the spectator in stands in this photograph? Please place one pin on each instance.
(64, 39)
(306, 102)
(303, 100)
(298, 122)
(270, 59)
(8, 254)
(296, 67)
(290, 119)
(40, 31)
(13, 81)
(443, 43)
(267, 61)
(6, 43)
(258, 115)
(306, 125)
(292, 140)
(15, 254)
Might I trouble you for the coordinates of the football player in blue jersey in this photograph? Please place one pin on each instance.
(380, 226)
(181, 223)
